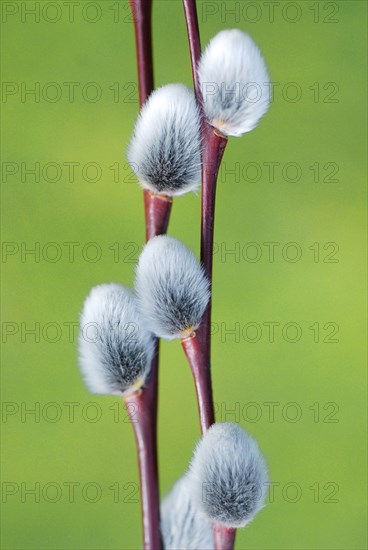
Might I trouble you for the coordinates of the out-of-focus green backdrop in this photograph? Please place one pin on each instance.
(289, 327)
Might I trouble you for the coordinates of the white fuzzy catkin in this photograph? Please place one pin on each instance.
(165, 149)
(172, 288)
(183, 526)
(228, 475)
(115, 348)
(234, 83)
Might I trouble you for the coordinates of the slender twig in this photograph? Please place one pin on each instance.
(201, 370)
(142, 16)
(157, 207)
(191, 18)
(213, 147)
(157, 211)
(142, 410)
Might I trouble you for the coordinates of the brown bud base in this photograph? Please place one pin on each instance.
(224, 537)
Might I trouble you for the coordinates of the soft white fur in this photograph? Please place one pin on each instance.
(232, 61)
(172, 289)
(228, 475)
(183, 527)
(165, 148)
(115, 349)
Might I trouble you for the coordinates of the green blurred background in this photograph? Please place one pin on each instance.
(310, 373)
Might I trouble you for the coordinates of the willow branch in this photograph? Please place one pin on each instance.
(157, 214)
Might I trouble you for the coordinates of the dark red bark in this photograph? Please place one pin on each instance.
(224, 538)
(201, 371)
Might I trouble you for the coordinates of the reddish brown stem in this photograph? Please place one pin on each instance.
(157, 207)
(142, 409)
(201, 371)
(214, 146)
(157, 213)
(223, 537)
(157, 210)
(213, 149)
(191, 18)
(142, 15)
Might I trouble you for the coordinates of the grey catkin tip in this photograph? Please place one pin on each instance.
(228, 475)
(172, 288)
(115, 348)
(183, 526)
(165, 149)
